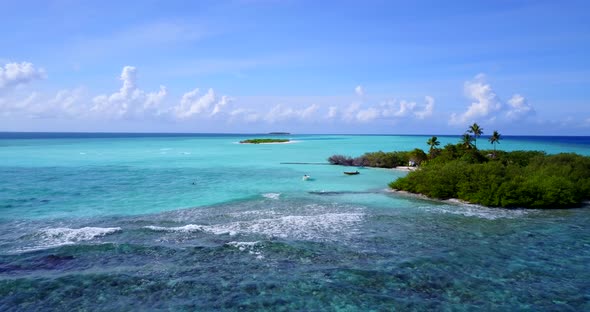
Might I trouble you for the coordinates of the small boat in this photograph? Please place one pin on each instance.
(351, 172)
(306, 177)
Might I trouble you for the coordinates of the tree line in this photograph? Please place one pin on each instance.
(495, 178)
(524, 179)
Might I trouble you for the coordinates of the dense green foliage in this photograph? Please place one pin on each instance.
(262, 141)
(502, 179)
(381, 159)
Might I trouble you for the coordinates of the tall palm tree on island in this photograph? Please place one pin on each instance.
(495, 138)
(476, 130)
(466, 141)
(433, 143)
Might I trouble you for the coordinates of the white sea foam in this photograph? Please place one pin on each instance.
(470, 210)
(308, 227)
(55, 237)
(271, 195)
(253, 213)
(252, 248)
(68, 235)
(191, 228)
(187, 228)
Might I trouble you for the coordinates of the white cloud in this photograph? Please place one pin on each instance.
(368, 114)
(194, 104)
(359, 90)
(281, 112)
(350, 112)
(224, 101)
(332, 112)
(309, 111)
(519, 107)
(389, 109)
(246, 115)
(65, 103)
(15, 106)
(129, 101)
(14, 74)
(428, 109)
(392, 108)
(28, 102)
(485, 100)
(489, 106)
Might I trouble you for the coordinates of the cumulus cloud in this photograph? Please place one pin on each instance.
(488, 105)
(359, 90)
(224, 101)
(427, 110)
(194, 104)
(14, 74)
(129, 101)
(485, 101)
(519, 107)
(393, 108)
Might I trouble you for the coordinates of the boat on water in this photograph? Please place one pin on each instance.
(351, 172)
(306, 177)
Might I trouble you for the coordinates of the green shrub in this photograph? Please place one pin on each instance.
(263, 141)
(522, 179)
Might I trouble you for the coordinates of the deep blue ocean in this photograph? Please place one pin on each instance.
(199, 222)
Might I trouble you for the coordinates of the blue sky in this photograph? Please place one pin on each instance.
(425, 67)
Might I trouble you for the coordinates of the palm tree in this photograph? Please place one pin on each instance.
(495, 138)
(466, 140)
(476, 130)
(433, 143)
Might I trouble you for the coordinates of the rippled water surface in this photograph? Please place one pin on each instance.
(202, 223)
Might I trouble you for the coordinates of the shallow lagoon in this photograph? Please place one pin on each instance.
(201, 222)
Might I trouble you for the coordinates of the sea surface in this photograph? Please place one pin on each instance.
(195, 222)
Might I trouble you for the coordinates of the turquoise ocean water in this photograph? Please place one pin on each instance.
(200, 222)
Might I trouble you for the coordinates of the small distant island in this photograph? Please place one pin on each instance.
(264, 141)
(518, 179)
(279, 133)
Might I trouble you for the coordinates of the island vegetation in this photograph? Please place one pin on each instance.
(264, 141)
(494, 178)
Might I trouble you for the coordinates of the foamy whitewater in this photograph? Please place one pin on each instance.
(197, 222)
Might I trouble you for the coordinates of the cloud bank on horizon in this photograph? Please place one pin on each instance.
(183, 71)
(132, 103)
